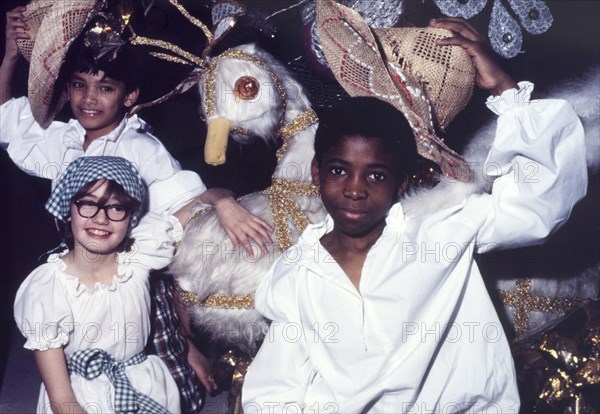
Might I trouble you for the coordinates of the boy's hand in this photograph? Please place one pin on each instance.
(241, 225)
(15, 29)
(490, 76)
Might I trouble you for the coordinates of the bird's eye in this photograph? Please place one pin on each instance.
(246, 88)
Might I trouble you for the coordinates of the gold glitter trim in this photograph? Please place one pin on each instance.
(191, 219)
(217, 300)
(199, 213)
(171, 58)
(145, 41)
(524, 302)
(210, 92)
(193, 20)
(299, 124)
(283, 206)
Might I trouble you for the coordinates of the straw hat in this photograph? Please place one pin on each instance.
(429, 84)
(53, 26)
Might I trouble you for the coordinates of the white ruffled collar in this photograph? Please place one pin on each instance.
(77, 288)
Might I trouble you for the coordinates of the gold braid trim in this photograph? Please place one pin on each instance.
(246, 57)
(217, 300)
(298, 124)
(145, 41)
(171, 58)
(193, 20)
(280, 193)
(196, 215)
(523, 302)
(283, 206)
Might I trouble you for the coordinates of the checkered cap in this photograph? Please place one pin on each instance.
(88, 169)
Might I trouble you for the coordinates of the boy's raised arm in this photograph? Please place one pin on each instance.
(537, 160)
(15, 29)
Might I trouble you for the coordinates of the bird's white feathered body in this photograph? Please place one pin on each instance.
(206, 263)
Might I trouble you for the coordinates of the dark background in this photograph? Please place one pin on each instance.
(569, 47)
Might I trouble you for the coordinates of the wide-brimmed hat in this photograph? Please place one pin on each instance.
(53, 25)
(429, 84)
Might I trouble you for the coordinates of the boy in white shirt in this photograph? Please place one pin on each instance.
(366, 315)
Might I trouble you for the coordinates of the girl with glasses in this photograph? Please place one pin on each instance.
(85, 313)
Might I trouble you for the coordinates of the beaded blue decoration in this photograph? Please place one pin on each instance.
(504, 31)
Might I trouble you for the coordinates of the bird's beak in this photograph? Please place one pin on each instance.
(216, 141)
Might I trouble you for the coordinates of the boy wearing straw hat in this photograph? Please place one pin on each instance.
(375, 310)
(99, 95)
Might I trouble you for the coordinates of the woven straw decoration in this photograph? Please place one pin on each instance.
(33, 16)
(441, 71)
(354, 55)
(55, 24)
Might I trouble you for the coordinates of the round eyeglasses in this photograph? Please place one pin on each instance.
(89, 209)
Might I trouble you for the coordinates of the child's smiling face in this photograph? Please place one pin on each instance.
(98, 102)
(358, 183)
(97, 234)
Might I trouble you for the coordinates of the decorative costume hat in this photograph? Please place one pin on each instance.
(85, 170)
(53, 26)
(429, 84)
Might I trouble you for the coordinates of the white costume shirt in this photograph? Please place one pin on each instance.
(421, 334)
(53, 310)
(47, 152)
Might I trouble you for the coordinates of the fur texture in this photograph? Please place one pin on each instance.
(206, 263)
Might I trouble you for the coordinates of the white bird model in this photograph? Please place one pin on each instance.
(247, 92)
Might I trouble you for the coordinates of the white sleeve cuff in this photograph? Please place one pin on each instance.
(510, 98)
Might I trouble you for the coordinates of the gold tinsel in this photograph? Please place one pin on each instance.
(171, 58)
(145, 41)
(193, 20)
(299, 124)
(217, 301)
(283, 206)
(246, 57)
(523, 302)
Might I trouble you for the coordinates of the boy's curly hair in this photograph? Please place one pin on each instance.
(371, 118)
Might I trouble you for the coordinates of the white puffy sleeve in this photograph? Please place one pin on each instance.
(42, 310)
(537, 166)
(169, 187)
(26, 141)
(172, 193)
(281, 372)
(154, 241)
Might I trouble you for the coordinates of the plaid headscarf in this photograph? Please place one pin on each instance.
(88, 169)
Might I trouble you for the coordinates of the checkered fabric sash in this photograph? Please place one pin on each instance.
(90, 363)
